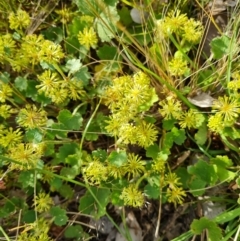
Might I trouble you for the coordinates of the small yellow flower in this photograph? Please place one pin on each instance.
(178, 66)
(128, 134)
(31, 117)
(171, 108)
(227, 107)
(51, 52)
(7, 46)
(19, 20)
(132, 196)
(115, 171)
(95, 172)
(88, 38)
(172, 23)
(75, 89)
(65, 14)
(31, 48)
(234, 85)
(5, 92)
(191, 119)
(25, 155)
(192, 31)
(159, 165)
(215, 123)
(42, 202)
(176, 195)
(146, 134)
(137, 94)
(10, 138)
(172, 180)
(134, 166)
(61, 96)
(50, 83)
(6, 111)
(113, 126)
(141, 78)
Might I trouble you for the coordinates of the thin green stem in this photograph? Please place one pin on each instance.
(88, 124)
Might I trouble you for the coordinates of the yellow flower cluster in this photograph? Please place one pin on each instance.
(10, 138)
(88, 38)
(171, 108)
(227, 110)
(6, 111)
(178, 66)
(38, 231)
(59, 89)
(95, 172)
(65, 14)
(132, 196)
(189, 30)
(30, 117)
(191, 119)
(33, 50)
(25, 156)
(183, 32)
(7, 47)
(20, 20)
(5, 92)
(175, 193)
(235, 83)
(127, 97)
(42, 202)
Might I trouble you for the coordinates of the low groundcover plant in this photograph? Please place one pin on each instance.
(97, 102)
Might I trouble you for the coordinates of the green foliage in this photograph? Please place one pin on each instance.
(71, 122)
(213, 231)
(204, 171)
(94, 202)
(89, 98)
(201, 135)
(220, 46)
(59, 215)
(75, 231)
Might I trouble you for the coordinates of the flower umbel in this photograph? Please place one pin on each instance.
(10, 138)
(26, 156)
(65, 14)
(95, 172)
(31, 117)
(19, 20)
(146, 134)
(88, 38)
(191, 119)
(192, 31)
(215, 123)
(227, 107)
(134, 166)
(171, 108)
(176, 195)
(172, 23)
(7, 46)
(42, 202)
(172, 180)
(5, 92)
(50, 52)
(132, 196)
(6, 111)
(178, 66)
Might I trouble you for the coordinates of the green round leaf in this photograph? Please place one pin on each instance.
(75, 231)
